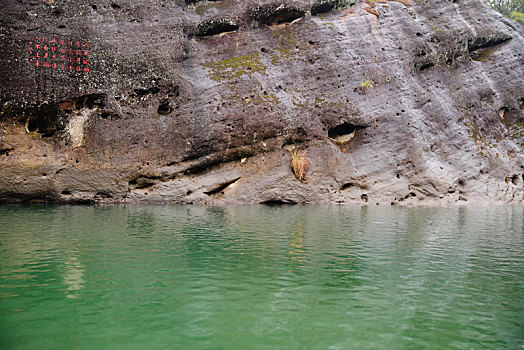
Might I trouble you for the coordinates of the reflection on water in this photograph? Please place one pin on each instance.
(261, 277)
(297, 242)
(73, 275)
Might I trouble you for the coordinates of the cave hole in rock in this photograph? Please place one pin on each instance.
(282, 14)
(343, 133)
(164, 108)
(486, 42)
(44, 120)
(364, 198)
(214, 27)
(324, 6)
(115, 6)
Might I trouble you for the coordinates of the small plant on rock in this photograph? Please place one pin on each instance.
(365, 86)
(299, 164)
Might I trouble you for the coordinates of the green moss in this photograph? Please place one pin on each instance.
(235, 67)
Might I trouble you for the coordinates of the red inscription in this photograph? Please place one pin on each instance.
(46, 52)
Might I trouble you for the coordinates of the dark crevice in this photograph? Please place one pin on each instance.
(410, 194)
(297, 136)
(275, 15)
(5, 151)
(486, 42)
(520, 101)
(346, 186)
(202, 167)
(144, 92)
(103, 195)
(278, 202)
(291, 141)
(141, 183)
(426, 65)
(90, 101)
(324, 6)
(214, 27)
(221, 187)
(109, 115)
(209, 162)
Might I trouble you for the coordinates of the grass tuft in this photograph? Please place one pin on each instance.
(299, 164)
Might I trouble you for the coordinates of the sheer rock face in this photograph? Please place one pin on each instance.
(202, 102)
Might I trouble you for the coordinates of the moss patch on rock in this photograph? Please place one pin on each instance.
(236, 67)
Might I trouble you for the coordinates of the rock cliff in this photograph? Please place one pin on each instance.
(206, 101)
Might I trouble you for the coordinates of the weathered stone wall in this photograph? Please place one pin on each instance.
(203, 102)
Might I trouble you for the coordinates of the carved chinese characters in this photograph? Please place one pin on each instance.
(50, 52)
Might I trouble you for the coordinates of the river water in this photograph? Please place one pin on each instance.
(260, 277)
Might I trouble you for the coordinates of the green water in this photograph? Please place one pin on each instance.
(164, 277)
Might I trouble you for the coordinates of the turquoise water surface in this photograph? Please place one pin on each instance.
(300, 277)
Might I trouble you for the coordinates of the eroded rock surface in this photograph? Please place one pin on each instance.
(203, 101)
